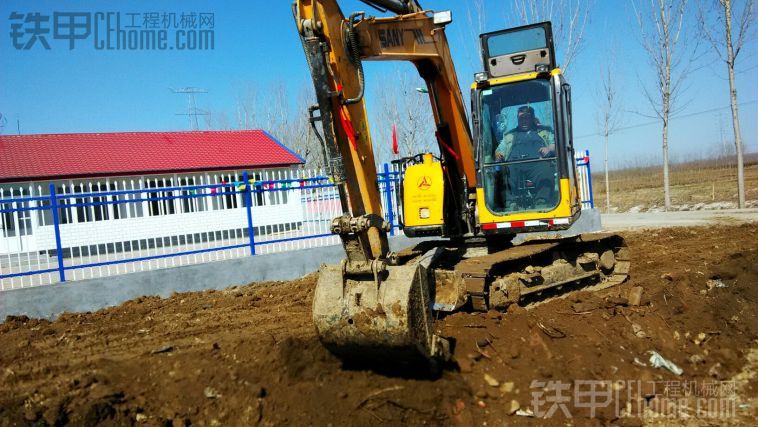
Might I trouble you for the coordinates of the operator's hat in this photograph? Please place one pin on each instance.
(526, 109)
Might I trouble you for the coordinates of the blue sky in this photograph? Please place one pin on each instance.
(87, 90)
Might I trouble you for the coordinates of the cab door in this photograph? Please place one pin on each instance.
(564, 98)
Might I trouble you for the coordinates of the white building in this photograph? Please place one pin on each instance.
(147, 166)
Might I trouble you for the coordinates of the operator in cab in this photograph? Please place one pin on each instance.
(528, 134)
(529, 141)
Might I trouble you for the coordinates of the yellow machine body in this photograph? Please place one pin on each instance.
(423, 196)
(567, 208)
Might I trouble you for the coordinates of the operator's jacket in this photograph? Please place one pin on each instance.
(525, 145)
(545, 134)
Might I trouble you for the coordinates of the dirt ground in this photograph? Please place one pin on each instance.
(249, 355)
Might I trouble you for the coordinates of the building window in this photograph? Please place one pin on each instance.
(119, 202)
(224, 193)
(65, 215)
(274, 189)
(162, 202)
(258, 195)
(83, 211)
(7, 220)
(14, 221)
(277, 194)
(100, 206)
(246, 187)
(230, 192)
(192, 200)
(45, 214)
(132, 204)
(72, 209)
(124, 205)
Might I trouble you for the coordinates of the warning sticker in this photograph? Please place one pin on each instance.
(424, 183)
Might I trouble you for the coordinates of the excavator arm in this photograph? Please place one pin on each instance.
(335, 47)
(367, 303)
(349, 156)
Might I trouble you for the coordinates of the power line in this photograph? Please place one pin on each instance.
(639, 125)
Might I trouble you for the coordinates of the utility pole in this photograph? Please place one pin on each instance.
(192, 111)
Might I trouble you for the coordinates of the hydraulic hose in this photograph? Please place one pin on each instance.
(400, 7)
(352, 48)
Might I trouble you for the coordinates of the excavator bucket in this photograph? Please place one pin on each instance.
(384, 318)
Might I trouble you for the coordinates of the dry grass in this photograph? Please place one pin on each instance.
(702, 181)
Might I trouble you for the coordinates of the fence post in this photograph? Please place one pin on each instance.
(589, 178)
(388, 196)
(249, 207)
(57, 227)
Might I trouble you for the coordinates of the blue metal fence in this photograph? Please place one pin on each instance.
(112, 232)
(584, 177)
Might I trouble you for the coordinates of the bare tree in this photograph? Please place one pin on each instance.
(569, 18)
(301, 138)
(400, 103)
(476, 16)
(719, 31)
(276, 113)
(661, 25)
(245, 107)
(208, 119)
(270, 110)
(292, 127)
(723, 149)
(468, 35)
(222, 121)
(609, 115)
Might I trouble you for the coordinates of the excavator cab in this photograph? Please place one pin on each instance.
(521, 108)
(519, 166)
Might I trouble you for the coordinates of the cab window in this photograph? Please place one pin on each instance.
(519, 164)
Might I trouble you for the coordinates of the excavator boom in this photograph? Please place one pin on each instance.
(366, 303)
(335, 47)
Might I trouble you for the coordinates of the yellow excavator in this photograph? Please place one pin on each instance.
(515, 174)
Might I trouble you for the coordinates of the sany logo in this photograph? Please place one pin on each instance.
(424, 183)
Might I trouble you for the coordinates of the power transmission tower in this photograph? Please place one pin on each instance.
(192, 111)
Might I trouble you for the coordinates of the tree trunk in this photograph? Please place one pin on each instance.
(666, 189)
(733, 100)
(666, 103)
(665, 116)
(607, 182)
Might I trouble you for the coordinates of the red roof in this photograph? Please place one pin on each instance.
(31, 157)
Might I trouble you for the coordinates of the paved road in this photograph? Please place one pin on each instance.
(625, 221)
